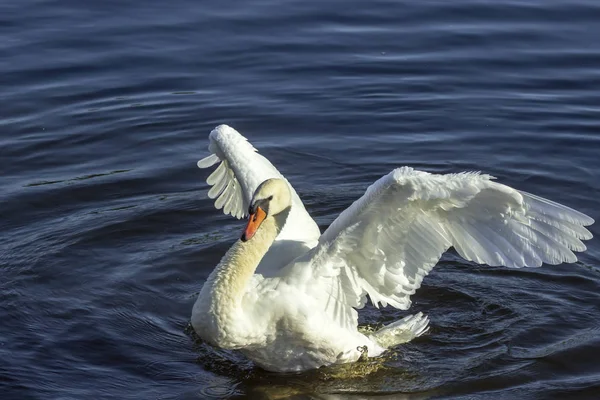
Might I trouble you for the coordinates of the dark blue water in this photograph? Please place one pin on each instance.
(107, 235)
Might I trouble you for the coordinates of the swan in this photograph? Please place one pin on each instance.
(287, 297)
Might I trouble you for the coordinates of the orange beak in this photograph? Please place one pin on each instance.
(254, 221)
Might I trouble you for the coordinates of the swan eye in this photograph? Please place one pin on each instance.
(270, 198)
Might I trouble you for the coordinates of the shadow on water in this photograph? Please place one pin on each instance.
(373, 378)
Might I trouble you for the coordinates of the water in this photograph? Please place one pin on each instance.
(107, 235)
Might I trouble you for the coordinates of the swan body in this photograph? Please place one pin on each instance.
(287, 297)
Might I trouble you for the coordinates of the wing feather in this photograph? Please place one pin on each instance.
(208, 161)
(239, 172)
(385, 243)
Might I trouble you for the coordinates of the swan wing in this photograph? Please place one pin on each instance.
(388, 240)
(239, 172)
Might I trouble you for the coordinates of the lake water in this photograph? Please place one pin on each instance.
(107, 234)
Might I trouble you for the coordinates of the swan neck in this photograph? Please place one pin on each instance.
(230, 279)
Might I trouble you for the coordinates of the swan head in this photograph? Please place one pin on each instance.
(271, 197)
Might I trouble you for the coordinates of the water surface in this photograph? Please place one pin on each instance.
(107, 235)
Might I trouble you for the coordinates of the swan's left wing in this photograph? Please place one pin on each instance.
(388, 240)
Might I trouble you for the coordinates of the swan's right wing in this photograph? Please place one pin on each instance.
(385, 243)
(241, 169)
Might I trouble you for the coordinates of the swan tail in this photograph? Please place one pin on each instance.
(401, 331)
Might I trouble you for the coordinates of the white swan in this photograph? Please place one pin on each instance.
(297, 311)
